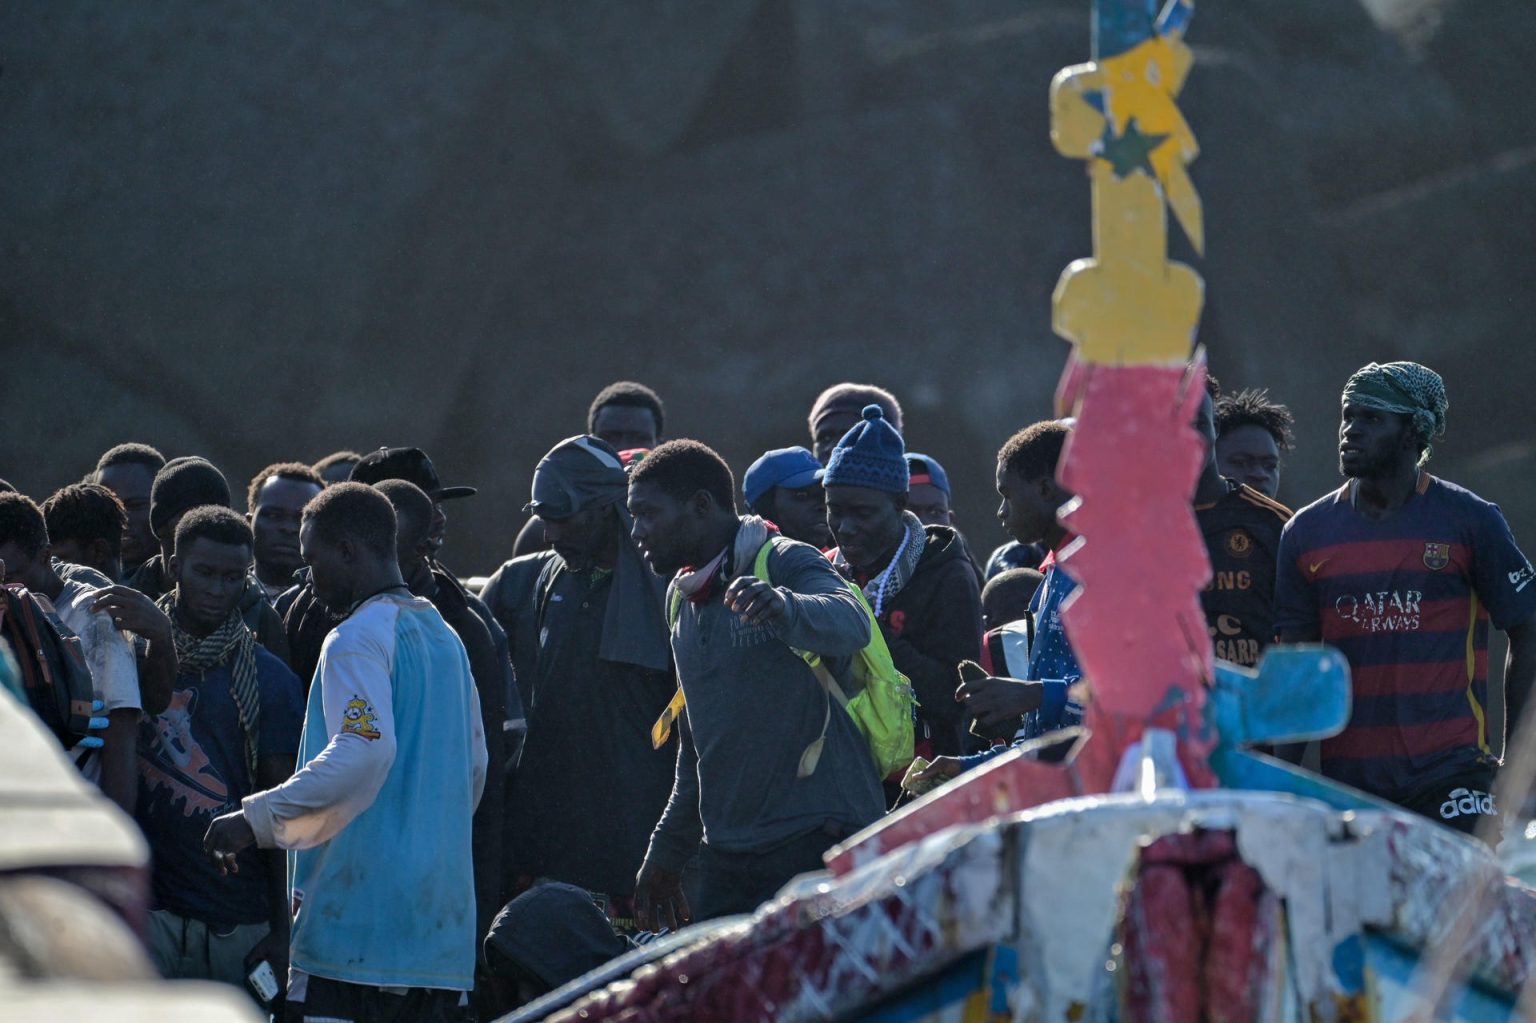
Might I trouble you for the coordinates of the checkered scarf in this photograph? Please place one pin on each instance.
(230, 640)
(883, 587)
(1407, 389)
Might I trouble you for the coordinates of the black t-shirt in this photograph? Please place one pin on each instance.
(1242, 537)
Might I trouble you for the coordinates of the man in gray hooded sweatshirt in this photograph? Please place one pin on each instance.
(770, 771)
(589, 642)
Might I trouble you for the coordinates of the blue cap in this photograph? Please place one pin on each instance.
(781, 467)
(871, 455)
(926, 469)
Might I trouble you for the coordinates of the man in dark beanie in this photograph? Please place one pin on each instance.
(589, 631)
(183, 484)
(918, 579)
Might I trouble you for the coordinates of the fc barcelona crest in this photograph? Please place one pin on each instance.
(1437, 556)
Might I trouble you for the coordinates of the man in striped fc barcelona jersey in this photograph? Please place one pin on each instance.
(1404, 573)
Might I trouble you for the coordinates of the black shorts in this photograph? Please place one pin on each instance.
(335, 1001)
(1461, 802)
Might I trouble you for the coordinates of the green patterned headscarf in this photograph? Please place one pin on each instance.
(1407, 389)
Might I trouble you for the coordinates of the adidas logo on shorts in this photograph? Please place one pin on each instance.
(1467, 802)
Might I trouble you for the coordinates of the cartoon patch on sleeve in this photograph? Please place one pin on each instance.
(358, 718)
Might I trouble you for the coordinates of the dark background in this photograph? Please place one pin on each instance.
(263, 231)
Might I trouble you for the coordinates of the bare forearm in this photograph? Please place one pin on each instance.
(119, 759)
(157, 675)
(1519, 675)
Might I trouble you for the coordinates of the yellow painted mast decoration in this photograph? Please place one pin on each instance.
(1135, 624)
(1130, 303)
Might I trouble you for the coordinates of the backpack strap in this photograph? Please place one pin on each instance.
(661, 731)
(831, 690)
(549, 574)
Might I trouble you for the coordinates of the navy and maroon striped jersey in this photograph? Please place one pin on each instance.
(1242, 537)
(1408, 600)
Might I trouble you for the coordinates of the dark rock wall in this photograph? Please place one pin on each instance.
(264, 231)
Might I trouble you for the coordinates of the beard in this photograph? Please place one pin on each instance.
(1365, 465)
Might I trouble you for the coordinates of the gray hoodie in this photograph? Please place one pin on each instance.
(753, 708)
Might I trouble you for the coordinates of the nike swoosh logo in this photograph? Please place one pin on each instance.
(1318, 564)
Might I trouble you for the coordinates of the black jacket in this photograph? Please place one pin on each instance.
(932, 625)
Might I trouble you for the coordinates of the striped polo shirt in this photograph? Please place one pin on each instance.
(1407, 599)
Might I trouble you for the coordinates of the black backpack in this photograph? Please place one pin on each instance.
(54, 671)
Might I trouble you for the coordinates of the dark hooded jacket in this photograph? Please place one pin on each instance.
(592, 650)
(932, 625)
(590, 786)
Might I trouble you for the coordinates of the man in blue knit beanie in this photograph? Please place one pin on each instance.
(919, 579)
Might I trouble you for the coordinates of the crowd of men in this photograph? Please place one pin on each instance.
(411, 798)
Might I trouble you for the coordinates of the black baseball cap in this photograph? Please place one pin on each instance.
(410, 464)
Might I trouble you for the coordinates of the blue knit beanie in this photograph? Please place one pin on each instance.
(869, 455)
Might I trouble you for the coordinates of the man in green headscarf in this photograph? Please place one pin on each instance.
(1404, 572)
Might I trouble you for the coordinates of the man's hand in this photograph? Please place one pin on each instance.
(940, 769)
(132, 611)
(226, 836)
(659, 899)
(757, 602)
(994, 701)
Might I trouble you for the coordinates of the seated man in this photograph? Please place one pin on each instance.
(543, 939)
